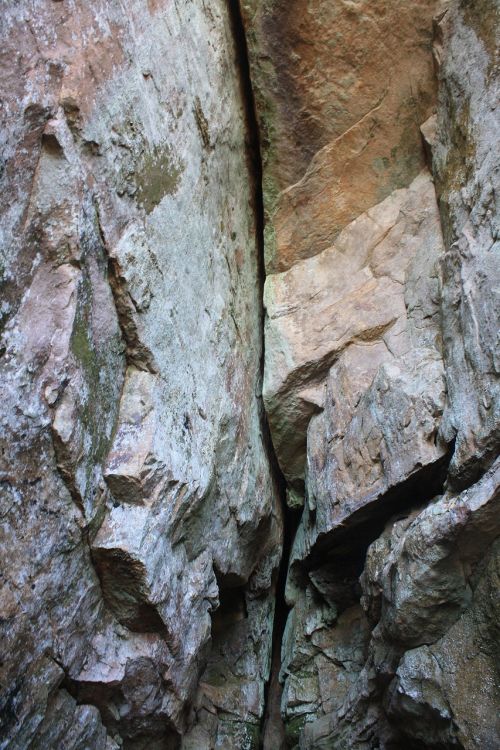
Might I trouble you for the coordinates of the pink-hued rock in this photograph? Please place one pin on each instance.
(373, 296)
(135, 481)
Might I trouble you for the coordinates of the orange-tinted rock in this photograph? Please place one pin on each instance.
(341, 89)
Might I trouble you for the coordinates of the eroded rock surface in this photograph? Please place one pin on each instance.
(467, 178)
(371, 298)
(136, 488)
(381, 390)
(379, 340)
(341, 89)
(170, 579)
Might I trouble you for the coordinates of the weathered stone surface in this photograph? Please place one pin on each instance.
(428, 592)
(448, 692)
(135, 479)
(341, 89)
(232, 685)
(146, 601)
(421, 574)
(468, 186)
(380, 368)
(322, 655)
(368, 299)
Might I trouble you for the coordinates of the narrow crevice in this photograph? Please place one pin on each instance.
(253, 141)
(335, 563)
(272, 728)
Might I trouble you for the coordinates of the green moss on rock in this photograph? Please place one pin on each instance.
(157, 175)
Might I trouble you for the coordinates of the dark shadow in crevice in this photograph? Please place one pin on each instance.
(231, 610)
(124, 590)
(351, 539)
(336, 562)
(273, 728)
(148, 732)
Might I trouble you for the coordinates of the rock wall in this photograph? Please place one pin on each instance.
(140, 522)
(174, 576)
(381, 181)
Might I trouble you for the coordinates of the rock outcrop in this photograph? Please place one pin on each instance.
(249, 465)
(381, 380)
(140, 520)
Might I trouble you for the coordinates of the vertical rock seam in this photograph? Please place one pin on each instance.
(378, 123)
(272, 728)
(250, 376)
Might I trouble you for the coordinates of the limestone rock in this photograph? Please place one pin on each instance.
(431, 613)
(423, 574)
(448, 692)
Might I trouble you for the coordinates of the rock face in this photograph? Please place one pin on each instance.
(381, 373)
(380, 380)
(370, 299)
(137, 498)
(468, 180)
(341, 89)
(173, 576)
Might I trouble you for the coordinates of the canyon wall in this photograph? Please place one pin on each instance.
(249, 474)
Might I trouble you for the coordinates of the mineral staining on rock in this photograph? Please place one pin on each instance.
(141, 521)
(342, 88)
(157, 175)
(380, 380)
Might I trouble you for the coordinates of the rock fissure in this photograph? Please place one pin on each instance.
(272, 731)
(249, 485)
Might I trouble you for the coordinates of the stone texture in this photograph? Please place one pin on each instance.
(428, 590)
(448, 692)
(136, 488)
(468, 186)
(151, 598)
(341, 89)
(367, 300)
(322, 654)
(397, 392)
(232, 685)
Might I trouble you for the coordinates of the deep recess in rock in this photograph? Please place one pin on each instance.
(273, 728)
(250, 435)
(272, 731)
